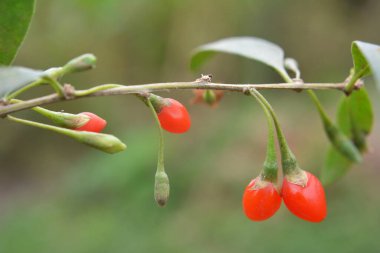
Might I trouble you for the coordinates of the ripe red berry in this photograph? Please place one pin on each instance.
(174, 117)
(306, 202)
(95, 124)
(260, 202)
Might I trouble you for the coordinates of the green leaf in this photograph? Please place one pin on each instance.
(366, 59)
(334, 167)
(14, 78)
(249, 47)
(15, 18)
(355, 119)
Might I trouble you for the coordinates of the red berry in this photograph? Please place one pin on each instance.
(174, 117)
(95, 124)
(260, 203)
(307, 202)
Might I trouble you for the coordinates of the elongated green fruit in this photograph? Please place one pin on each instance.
(104, 142)
(80, 63)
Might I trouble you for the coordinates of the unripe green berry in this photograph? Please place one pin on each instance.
(161, 188)
(80, 63)
(209, 97)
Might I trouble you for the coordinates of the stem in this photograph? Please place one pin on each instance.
(288, 160)
(23, 89)
(325, 118)
(270, 165)
(57, 87)
(52, 74)
(59, 130)
(117, 89)
(160, 160)
(356, 76)
(90, 91)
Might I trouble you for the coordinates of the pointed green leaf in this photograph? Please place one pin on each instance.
(355, 119)
(14, 78)
(366, 58)
(249, 47)
(15, 17)
(334, 167)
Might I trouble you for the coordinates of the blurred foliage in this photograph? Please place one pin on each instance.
(59, 196)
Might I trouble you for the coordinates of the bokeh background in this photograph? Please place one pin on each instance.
(59, 196)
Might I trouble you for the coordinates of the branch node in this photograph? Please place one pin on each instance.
(68, 91)
(298, 81)
(247, 91)
(205, 78)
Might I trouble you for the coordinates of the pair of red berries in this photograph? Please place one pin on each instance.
(172, 115)
(308, 202)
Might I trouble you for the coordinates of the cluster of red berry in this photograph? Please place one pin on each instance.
(261, 199)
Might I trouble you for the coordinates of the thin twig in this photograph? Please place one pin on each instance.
(116, 89)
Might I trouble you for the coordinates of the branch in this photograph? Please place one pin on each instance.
(116, 89)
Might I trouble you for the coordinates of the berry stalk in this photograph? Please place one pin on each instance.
(161, 182)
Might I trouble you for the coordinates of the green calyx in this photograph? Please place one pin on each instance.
(63, 119)
(104, 142)
(157, 102)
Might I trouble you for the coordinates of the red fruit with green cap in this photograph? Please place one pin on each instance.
(172, 115)
(260, 200)
(95, 123)
(307, 202)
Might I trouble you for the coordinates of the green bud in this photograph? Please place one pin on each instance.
(104, 142)
(161, 188)
(63, 119)
(209, 97)
(343, 144)
(80, 63)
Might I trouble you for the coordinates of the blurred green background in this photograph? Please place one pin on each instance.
(59, 196)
